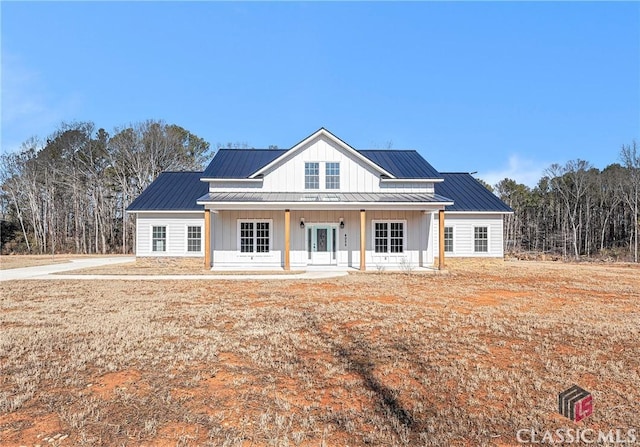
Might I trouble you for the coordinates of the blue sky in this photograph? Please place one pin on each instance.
(502, 88)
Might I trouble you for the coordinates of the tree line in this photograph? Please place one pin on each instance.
(69, 194)
(577, 210)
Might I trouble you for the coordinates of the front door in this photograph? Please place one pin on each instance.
(321, 244)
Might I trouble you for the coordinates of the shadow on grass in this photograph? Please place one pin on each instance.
(356, 359)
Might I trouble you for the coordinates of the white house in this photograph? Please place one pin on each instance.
(321, 202)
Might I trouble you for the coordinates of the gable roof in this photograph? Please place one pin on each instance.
(171, 191)
(468, 194)
(318, 133)
(248, 163)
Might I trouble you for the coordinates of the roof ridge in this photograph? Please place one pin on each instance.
(181, 172)
(388, 150)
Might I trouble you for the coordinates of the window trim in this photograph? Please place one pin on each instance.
(186, 230)
(239, 222)
(475, 240)
(327, 176)
(453, 239)
(166, 238)
(389, 252)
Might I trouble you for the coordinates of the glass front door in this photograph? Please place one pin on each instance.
(321, 244)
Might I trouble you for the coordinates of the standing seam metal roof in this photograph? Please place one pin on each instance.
(241, 163)
(468, 194)
(172, 191)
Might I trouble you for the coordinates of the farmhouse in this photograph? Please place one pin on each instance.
(320, 203)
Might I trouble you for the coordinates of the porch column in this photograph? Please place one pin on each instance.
(207, 239)
(440, 239)
(287, 239)
(363, 239)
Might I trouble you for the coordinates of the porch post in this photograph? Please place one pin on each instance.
(363, 239)
(440, 239)
(207, 239)
(287, 239)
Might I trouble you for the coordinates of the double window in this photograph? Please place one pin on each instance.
(331, 175)
(448, 239)
(194, 239)
(388, 237)
(255, 236)
(159, 239)
(480, 239)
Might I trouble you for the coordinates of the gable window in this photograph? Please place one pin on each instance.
(448, 239)
(388, 237)
(332, 178)
(480, 239)
(194, 239)
(312, 175)
(159, 238)
(255, 236)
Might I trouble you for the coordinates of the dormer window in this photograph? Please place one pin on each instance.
(332, 178)
(312, 175)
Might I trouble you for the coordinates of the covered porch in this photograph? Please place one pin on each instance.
(336, 235)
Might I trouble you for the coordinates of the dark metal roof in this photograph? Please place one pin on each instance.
(240, 163)
(304, 197)
(172, 191)
(468, 194)
(402, 164)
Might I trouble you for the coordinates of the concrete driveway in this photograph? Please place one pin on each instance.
(47, 272)
(43, 271)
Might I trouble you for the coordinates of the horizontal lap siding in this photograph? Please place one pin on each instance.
(176, 225)
(463, 234)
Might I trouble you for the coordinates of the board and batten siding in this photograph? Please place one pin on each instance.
(176, 224)
(355, 175)
(226, 252)
(463, 234)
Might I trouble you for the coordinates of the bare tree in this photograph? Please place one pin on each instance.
(631, 160)
(571, 183)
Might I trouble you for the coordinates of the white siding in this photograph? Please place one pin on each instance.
(355, 175)
(463, 234)
(176, 225)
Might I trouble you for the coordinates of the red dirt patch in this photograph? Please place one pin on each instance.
(127, 380)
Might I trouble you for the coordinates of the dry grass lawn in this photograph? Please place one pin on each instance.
(165, 266)
(364, 360)
(20, 261)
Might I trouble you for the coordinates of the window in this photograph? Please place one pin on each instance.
(388, 237)
(194, 239)
(397, 236)
(480, 239)
(246, 237)
(255, 237)
(381, 237)
(262, 237)
(159, 239)
(448, 239)
(312, 176)
(332, 179)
